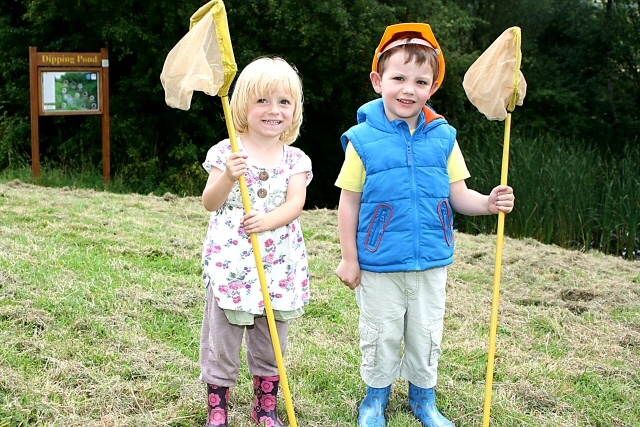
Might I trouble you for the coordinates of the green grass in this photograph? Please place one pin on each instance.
(101, 304)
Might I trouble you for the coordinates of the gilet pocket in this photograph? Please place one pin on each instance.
(446, 219)
(378, 225)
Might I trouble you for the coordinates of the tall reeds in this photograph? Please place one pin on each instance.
(567, 193)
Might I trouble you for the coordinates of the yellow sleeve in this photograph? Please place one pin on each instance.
(456, 166)
(352, 174)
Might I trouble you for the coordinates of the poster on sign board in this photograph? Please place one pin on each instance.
(68, 92)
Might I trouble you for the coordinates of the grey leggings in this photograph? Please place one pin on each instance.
(221, 341)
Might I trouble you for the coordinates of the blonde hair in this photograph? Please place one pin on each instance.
(264, 76)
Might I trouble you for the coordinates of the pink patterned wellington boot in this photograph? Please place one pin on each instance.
(217, 402)
(264, 405)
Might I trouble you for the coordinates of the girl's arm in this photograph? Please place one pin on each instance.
(257, 222)
(220, 184)
(470, 202)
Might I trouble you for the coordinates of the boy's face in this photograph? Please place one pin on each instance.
(405, 88)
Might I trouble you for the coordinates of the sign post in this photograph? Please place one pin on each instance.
(69, 83)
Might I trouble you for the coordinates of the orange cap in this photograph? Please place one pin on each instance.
(424, 30)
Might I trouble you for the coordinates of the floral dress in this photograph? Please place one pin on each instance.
(228, 262)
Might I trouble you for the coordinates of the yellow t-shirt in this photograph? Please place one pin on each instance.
(352, 174)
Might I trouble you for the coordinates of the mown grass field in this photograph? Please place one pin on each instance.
(101, 304)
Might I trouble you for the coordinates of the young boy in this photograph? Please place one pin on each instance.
(402, 177)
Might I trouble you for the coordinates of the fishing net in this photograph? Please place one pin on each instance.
(202, 60)
(494, 83)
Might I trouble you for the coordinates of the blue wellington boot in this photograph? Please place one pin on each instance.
(372, 408)
(423, 405)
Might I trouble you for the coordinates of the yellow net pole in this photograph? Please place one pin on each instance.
(500, 239)
(268, 308)
(496, 279)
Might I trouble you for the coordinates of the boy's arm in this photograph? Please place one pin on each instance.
(469, 202)
(348, 270)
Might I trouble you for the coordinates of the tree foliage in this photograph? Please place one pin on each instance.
(580, 59)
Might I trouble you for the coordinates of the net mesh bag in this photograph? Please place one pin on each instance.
(202, 60)
(494, 82)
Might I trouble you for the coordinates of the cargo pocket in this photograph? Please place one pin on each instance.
(434, 352)
(369, 334)
(378, 225)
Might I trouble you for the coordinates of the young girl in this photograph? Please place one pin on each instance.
(267, 111)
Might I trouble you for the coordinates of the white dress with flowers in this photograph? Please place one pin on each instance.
(228, 262)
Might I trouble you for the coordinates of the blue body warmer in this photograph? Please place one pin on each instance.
(406, 220)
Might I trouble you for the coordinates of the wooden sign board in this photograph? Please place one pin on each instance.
(69, 83)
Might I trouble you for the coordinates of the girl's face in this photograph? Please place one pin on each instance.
(405, 88)
(269, 115)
